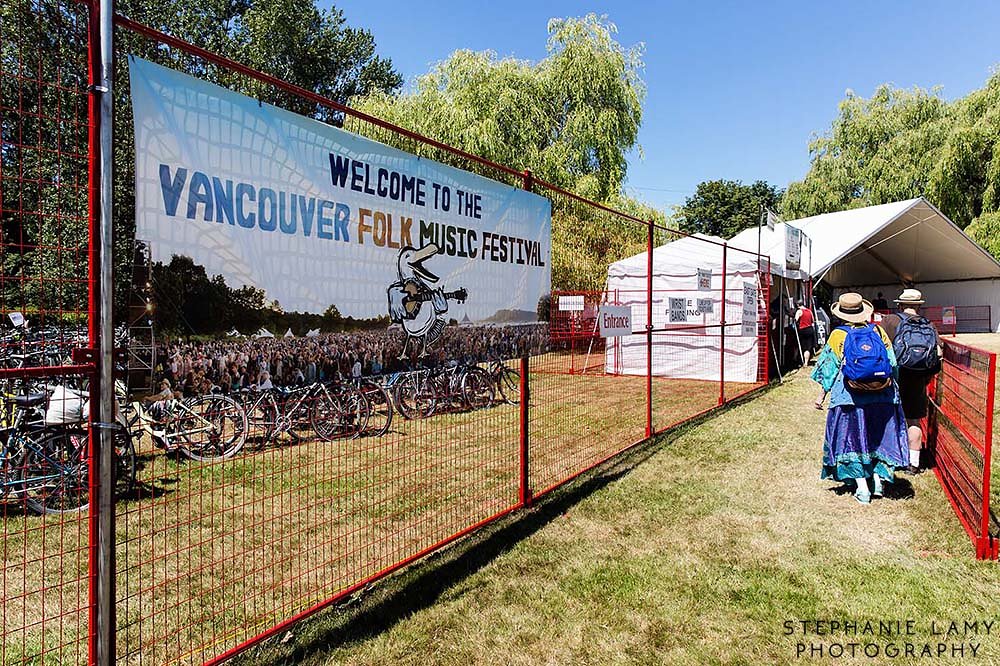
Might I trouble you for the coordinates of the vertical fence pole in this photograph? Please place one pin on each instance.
(102, 516)
(722, 331)
(984, 528)
(649, 332)
(525, 478)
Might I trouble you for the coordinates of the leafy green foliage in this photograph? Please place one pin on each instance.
(290, 39)
(985, 230)
(724, 208)
(570, 118)
(189, 301)
(901, 144)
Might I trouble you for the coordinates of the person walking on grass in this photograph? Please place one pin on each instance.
(865, 439)
(806, 330)
(917, 345)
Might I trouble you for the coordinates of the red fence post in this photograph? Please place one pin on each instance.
(722, 332)
(525, 481)
(991, 386)
(649, 332)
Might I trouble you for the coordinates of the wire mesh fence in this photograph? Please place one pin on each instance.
(244, 505)
(961, 439)
(45, 276)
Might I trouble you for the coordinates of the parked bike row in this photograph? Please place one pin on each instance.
(45, 441)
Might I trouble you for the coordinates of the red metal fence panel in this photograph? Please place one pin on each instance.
(46, 279)
(961, 439)
(220, 545)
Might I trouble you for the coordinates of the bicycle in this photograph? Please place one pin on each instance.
(425, 392)
(507, 381)
(330, 411)
(207, 427)
(48, 467)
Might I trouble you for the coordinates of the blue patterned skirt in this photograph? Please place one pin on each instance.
(862, 440)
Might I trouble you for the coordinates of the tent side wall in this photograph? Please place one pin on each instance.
(966, 292)
(690, 348)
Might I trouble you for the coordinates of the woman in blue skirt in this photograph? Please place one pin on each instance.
(865, 429)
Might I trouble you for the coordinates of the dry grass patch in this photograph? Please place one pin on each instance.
(695, 556)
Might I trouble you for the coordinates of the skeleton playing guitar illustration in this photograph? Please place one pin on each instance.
(414, 303)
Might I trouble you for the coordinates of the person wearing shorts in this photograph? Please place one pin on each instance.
(912, 384)
(806, 330)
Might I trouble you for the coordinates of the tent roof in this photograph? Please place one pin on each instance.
(903, 242)
(683, 257)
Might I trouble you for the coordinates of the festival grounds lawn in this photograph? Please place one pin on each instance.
(693, 550)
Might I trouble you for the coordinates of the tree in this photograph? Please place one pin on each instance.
(901, 144)
(724, 208)
(571, 118)
(985, 230)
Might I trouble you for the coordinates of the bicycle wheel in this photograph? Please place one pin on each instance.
(477, 388)
(509, 384)
(380, 407)
(340, 414)
(262, 413)
(298, 421)
(415, 398)
(215, 427)
(54, 475)
(125, 463)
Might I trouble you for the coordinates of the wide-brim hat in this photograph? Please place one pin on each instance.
(911, 297)
(853, 308)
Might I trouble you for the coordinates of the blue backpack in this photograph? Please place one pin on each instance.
(866, 360)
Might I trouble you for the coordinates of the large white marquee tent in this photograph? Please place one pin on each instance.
(886, 248)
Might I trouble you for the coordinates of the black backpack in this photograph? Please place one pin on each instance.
(916, 344)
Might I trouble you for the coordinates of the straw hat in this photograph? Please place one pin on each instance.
(853, 308)
(911, 297)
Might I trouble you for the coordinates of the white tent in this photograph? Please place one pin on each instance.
(263, 333)
(289, 334)
(312, 333)
(687, 300)
(887, 247)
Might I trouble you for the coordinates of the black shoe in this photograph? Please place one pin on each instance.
(914, 470)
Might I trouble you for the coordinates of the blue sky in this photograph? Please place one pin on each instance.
(735, 89)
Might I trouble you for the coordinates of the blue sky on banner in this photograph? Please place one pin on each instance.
(735, 88)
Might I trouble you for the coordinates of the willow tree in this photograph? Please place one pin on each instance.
(900, 144)
(571, 118)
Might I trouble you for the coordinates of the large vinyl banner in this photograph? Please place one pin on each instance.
(319, 217)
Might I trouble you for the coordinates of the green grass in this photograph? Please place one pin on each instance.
(209, 555)
(691, 551)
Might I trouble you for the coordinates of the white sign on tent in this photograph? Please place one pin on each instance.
(704, 279)
(749, 328)
(793, 247)
(678, 310)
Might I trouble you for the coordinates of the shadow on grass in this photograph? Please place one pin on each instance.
(391, 600)
(900, 489)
